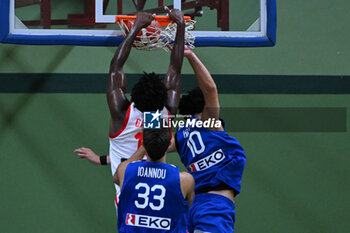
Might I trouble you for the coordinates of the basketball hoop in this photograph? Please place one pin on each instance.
(160, 33)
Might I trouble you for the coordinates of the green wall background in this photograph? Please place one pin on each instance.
(293, 182)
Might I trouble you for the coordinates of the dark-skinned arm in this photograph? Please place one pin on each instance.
(116, 87)
(90, 155)
(139, 4)
(172, 79)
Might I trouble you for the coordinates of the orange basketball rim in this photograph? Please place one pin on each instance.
(163, 20)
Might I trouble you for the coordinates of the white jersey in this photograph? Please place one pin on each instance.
(128, 139)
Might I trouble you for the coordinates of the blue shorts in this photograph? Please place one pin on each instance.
(212, 213)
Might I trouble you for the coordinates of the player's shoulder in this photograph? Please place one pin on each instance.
(137, 162)
(187, 183)
(186, 177)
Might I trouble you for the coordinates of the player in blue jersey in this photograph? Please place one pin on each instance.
(215, 159)
(155, 196)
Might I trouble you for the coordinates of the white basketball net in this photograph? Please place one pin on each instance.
(158, 37)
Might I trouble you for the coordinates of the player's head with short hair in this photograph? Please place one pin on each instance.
(192, 103)
(149, 93)
(156, 142)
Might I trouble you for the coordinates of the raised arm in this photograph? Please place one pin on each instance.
(207, 86)
(172, 79)
(116, 87)
(139, 4)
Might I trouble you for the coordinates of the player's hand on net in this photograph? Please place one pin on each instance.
(188, 52)
(144, 19)
(176, 15)
(87, 153)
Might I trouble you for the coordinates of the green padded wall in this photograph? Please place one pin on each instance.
(293, 182)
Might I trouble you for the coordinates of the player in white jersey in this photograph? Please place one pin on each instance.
(148, 94)
(128, 139)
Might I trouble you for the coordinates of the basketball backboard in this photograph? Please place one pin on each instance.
(92, 22)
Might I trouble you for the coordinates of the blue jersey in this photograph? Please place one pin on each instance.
(215, 159)
(211, 213)
(151, 199)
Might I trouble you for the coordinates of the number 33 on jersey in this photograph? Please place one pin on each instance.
(151, 199)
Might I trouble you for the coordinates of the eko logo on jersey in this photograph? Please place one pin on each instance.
(151, 120)
(148, 221)
(207, 161)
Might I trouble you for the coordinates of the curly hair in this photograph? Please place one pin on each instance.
(192, 103)
(149, 93)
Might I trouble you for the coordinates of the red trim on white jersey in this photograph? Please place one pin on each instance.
(124, 124)
(116, 200)
(126, 141)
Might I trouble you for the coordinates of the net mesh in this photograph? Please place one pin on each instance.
(155, 37)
